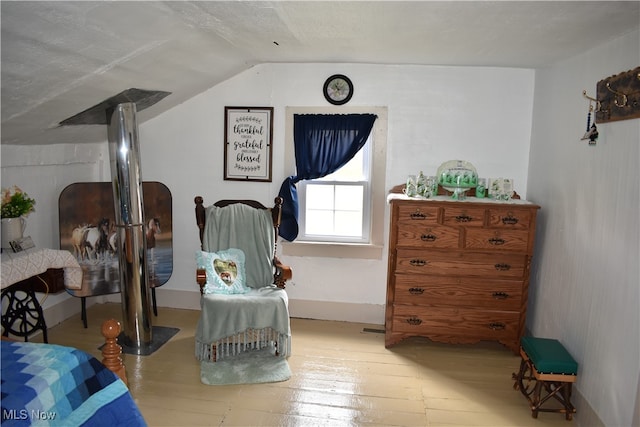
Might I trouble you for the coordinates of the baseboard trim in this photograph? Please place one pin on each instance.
(69, 307)
(585, 415)
(340, 311)
(190, 300)
(186, 300)
(62, 311)
(307, 309)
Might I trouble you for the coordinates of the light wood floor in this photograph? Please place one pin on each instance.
(342, 376)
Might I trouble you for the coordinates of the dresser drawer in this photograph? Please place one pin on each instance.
(496, 239)
(450, 321)
(459, 263)
(424, 235)
(466, 216)
(510, 218)
(423, 213)
(458, 291)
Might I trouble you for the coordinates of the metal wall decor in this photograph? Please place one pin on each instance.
(248, 134)
(618, 97)
(591, 134)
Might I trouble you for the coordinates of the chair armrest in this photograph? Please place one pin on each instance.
(282, 274)
(201, 278)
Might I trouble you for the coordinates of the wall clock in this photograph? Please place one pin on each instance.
(338, 89)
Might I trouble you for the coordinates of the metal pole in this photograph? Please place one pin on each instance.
(124, 152)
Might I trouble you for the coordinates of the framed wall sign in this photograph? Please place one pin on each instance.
(248, 135)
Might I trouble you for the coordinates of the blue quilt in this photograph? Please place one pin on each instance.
(52, 385)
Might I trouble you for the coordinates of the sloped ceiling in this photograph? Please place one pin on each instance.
(60, 58)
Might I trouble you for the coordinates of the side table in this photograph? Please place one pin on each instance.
(25, 273)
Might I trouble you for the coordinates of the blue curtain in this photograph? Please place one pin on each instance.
(323, 144)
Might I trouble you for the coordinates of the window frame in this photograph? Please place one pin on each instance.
(366, 202)
(373, 249)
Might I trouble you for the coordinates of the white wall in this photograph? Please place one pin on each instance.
(586, 283)
(482, 115)
(43, 172)
(435, 114)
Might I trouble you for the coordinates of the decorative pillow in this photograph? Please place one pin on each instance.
(225, 271)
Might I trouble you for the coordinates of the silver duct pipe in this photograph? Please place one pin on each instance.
(119, 114)
(126, 178)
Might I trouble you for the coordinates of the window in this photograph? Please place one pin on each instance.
(337, 207)
(342, 215)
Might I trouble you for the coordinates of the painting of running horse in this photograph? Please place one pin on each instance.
(90, 241)
(88, 230)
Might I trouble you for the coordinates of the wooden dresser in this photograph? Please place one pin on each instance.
(459, 270)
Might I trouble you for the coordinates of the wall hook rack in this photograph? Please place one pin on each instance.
(619, 97)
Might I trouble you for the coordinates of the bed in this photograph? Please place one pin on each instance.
(53, 385)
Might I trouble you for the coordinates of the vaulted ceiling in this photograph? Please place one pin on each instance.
(60, 58)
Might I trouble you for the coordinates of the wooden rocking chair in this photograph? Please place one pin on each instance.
(255, 317)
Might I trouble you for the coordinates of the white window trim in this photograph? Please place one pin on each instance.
(366, 220)
(373, 249)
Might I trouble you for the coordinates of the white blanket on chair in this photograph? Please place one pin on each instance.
(251, 321)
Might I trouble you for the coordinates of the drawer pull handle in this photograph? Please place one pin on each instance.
(497, 326)
(509, 220)
(418, 262)
(502, 267)
(463, 218)
(418, 215)
(497, 241)
(500, 295)
(428, 238)
(414, 321)
(416, 291)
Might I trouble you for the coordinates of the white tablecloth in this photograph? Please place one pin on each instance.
(22, 265)
(399, 196)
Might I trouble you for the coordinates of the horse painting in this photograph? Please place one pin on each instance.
(91, 241)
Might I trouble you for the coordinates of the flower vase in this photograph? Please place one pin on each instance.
(12, 229)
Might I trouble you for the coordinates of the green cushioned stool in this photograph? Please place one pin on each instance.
(547, 365)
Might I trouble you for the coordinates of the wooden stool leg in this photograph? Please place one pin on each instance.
(566, 393)
(517, 385)
(535, 403)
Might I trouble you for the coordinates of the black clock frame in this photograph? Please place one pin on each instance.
(326, 87)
